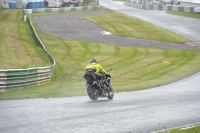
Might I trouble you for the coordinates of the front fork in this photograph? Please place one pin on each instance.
(107, 81)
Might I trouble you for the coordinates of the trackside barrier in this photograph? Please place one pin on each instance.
(18, 78)
(64, 9)
(160, 7)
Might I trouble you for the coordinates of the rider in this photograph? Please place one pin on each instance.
(95, 67)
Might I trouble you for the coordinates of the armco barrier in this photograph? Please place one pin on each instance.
(160, 7)
(14, 78)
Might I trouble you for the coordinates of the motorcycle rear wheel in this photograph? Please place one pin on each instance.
(93, 93)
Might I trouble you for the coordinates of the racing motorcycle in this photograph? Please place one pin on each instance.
(98, 87)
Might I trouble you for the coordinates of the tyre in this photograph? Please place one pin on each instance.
(93, 93)
(110, 93)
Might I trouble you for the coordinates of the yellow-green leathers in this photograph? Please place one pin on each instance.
(96, 66)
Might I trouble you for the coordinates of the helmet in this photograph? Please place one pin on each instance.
(93, 60)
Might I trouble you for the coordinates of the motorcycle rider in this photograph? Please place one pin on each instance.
(95, 67)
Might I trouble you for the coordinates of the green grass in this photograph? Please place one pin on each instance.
(133, 68)
(185, 14)
(17, 47)
(122, 25)
(190, 130)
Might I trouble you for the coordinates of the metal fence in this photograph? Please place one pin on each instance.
(15, 78)
(19, 78)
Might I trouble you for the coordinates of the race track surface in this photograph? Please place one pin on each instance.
(188, 27)
(74, 27)
(164, 107)
(144, 111)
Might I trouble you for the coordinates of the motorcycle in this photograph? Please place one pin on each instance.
(98, 87)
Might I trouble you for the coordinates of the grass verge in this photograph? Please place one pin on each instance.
(185, 14)
(123, 25)
(133, 68)
(189, 130)
(17, 47)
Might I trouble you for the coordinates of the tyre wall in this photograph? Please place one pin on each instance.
(49, 10)
(160, 7)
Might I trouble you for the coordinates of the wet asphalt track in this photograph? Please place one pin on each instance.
(188, 27)
(169, 106)
(144, 111)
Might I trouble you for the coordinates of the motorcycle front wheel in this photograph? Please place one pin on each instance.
(92, 92)
(110, 93)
